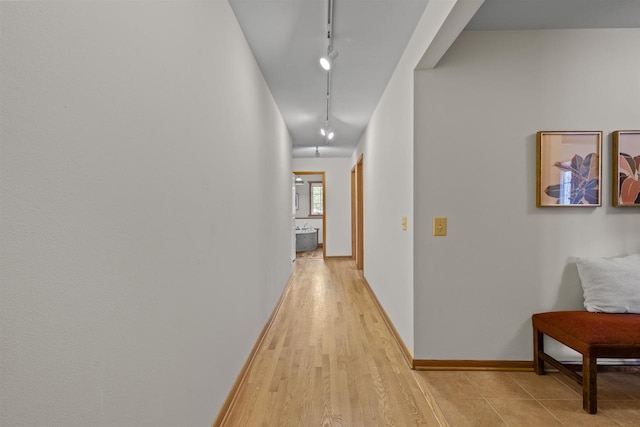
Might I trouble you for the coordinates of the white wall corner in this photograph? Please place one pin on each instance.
(447, 19)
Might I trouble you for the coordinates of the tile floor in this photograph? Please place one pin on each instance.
(484, 398)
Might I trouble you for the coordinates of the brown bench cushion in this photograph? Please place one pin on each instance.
(593, 334)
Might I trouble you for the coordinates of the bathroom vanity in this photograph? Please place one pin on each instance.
(306, 239)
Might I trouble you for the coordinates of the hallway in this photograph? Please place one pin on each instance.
(329, 360)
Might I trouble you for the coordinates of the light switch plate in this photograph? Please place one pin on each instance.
(404, 223)
(439, 226)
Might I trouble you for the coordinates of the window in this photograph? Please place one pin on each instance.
(316, 198)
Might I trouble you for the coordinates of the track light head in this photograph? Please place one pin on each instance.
(326, 62)
(327, 132)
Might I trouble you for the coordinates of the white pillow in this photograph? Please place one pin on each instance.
(611, 285)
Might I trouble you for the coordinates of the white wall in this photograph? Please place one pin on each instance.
(126, 299)
(387, 146)
(476, 118)
(337, 199)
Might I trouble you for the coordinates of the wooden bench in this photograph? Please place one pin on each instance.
(594, 335)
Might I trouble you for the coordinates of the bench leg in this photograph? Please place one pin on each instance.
(589, 384)
(538, 347)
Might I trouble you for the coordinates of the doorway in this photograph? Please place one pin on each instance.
(357, 214)
(310, 219)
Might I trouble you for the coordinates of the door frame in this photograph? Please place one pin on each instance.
(324, 205)
(353, 214)
(357, 213)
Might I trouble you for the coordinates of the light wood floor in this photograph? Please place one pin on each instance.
(329, 360)
(316, 253)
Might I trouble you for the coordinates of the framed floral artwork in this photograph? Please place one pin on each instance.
(569, 169)
(626, 168)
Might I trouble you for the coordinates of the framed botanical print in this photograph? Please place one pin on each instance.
(568, 169)
(626, 168)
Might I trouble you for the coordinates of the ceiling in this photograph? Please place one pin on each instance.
(288, 37)
(556, 14)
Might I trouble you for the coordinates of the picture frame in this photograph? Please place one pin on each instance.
(568, 168)
(625, 177)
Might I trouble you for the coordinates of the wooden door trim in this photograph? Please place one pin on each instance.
(324, 206)
(360, 213)
(353, 213)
